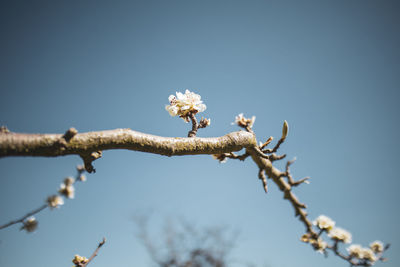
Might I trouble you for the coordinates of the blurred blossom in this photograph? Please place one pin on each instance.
(340, 234)
(355, 251)
(82, 178)
(67, 190)
(368, 254)
(324, 223)
(69, 181)
(30, 225)
(376, 246)
(55, 201)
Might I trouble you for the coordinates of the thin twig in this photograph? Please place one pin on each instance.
(22, 219)
(95, 252)
(80, 172)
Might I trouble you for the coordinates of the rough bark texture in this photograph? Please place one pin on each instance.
(53, 145)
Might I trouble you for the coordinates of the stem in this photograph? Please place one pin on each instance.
(195, 125)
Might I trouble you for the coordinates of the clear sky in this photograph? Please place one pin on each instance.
(330, 68)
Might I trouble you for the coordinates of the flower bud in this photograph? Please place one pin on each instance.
(285, 130)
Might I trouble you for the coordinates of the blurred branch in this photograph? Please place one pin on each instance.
(23, 218)
(186, 246)
(55, 201)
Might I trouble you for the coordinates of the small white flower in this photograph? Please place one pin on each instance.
(30, 225)
(183, 104)
(340, 234)
(376, 246)
(69, 181)
(67, 190)
(244, 122)
(324, 222)
(55, 201)
(82, 178)
(355, 251)
(368, 254)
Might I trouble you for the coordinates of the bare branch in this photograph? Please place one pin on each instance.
(46, 145)
(95, 252)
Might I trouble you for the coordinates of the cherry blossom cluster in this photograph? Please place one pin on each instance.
(186, 106)
(357, 255)
(183, 105)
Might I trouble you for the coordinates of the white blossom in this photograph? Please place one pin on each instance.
(30, 225)
(82, 178)
(355, 251)
(368, 254)
(340, 234)
(376, 246)
(183, 104)
(69, 181)
(55, 201)
(67, 190)
(324, 222)
(244, 122)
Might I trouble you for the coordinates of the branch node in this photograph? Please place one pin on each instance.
(269, 140)
(71, 132)
(89, 158)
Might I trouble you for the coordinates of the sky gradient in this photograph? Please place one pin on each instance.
(330, 68)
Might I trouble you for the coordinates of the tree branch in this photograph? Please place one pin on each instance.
(89, 146)
(48, 145)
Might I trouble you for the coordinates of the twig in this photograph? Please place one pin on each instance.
(23, 218)
(95, 252)
(239, 157)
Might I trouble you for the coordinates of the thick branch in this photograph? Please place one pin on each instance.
(49, 145)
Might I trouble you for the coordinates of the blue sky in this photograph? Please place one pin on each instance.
(330, 68)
